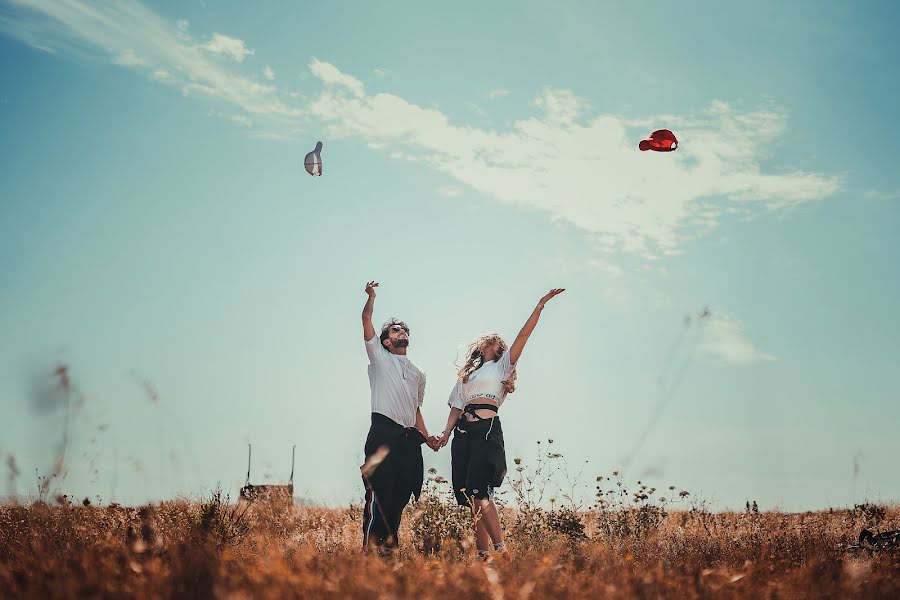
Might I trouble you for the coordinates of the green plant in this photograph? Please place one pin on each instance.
(535, 526)
(439, 524)
(635, 515)
(219, 520)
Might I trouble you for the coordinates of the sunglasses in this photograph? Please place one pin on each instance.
(397, 329)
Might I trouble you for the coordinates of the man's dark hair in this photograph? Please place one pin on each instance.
(386, 328)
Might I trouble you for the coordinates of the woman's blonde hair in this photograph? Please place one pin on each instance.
(475, 358)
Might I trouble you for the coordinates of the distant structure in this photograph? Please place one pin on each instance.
(886, 540)
(278, 495)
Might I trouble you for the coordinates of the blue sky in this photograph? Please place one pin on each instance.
(156, 224)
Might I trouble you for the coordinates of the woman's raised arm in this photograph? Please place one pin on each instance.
(518, 345)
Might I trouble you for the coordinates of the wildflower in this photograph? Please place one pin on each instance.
(374, 460)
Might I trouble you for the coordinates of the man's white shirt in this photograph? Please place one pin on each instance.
(398, 385)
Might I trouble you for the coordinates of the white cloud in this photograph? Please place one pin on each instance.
(268, 73)
(330, 75)
(498, 93)
(587, 171)
(116, 27)
(25, 32)
(881, 195)
(448, 191)
(380, 72)
(128, 58)
(661, 300)
(477, 110)
(723, 341)
(576, 167)
(560, 107)
(594, 264)
(239, 120)
(229, 46)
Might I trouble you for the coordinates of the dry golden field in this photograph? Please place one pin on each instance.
(627, 545)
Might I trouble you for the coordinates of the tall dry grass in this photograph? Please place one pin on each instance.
(631, 542)
(214, 549)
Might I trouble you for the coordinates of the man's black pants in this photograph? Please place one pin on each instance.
(390, 482)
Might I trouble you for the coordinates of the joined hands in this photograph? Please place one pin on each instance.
(436, 442)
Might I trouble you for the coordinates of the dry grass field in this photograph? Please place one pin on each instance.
(629, 544)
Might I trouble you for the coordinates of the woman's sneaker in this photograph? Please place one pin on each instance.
(501, 550)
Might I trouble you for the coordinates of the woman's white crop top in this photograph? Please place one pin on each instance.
(483, 383)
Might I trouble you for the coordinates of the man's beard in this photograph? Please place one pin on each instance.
(401, 343)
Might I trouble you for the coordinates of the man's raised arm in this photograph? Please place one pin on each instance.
(368, 328)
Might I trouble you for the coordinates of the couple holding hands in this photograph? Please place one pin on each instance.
(394, 470)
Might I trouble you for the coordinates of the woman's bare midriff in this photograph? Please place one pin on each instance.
(481, 412)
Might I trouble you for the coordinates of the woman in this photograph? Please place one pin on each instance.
(477, 453)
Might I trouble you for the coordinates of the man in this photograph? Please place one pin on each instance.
(393, 469)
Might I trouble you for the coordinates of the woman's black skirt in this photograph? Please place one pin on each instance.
(478, 459)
